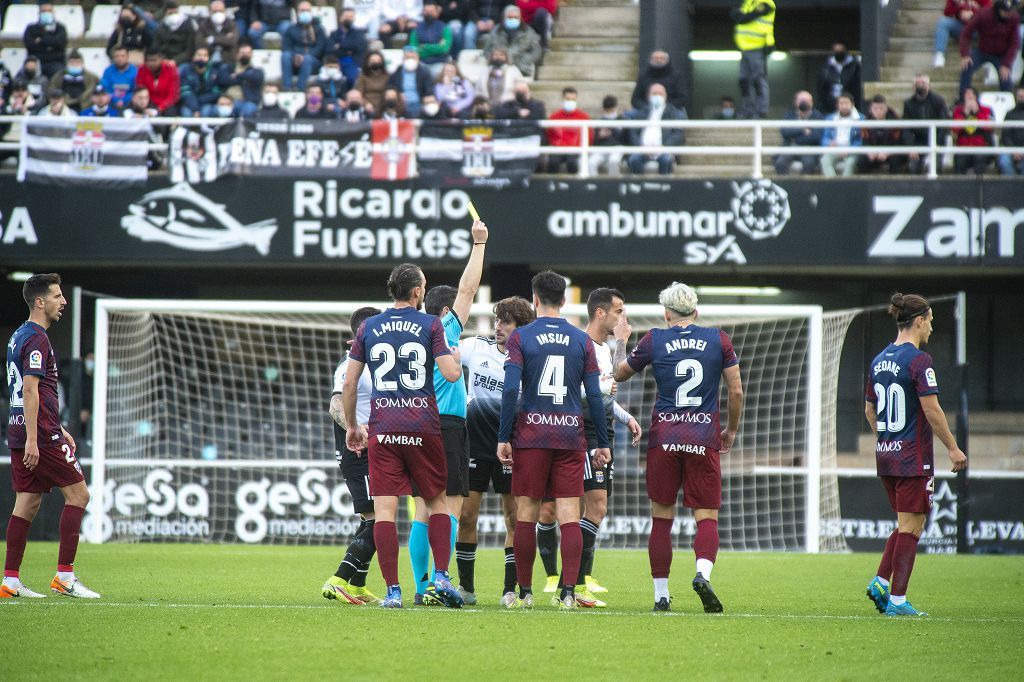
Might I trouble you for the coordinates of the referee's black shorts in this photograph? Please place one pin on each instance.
(456, 449)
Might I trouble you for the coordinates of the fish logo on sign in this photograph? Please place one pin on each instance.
(184, 218)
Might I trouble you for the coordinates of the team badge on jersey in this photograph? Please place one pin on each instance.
(35, 359)
(929, 376)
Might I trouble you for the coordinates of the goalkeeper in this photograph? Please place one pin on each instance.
(348, 584)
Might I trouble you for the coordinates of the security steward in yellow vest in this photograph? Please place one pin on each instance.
(755, 38)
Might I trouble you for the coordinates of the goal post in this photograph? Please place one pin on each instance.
(211, 425)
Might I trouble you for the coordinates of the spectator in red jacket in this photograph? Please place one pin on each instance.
(972, 134)
(954, 17)
(998, 42)
(540, 15)
(160, 77)
(567, 137)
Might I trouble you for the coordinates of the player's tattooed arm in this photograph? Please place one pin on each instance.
(337, 410)
(355, 439)
(622, 332)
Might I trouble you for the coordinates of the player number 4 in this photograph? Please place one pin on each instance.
(552, 379)
(892, 408)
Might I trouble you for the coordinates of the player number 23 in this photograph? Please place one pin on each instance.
(413, 353)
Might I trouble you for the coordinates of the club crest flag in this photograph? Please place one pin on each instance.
(97, 152)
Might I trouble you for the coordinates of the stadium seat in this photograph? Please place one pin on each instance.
(292, 101)
(998, 102)
(472, 64)
(196, 11)
(328, 18)
(17, 18)
(270, 62)
(392, 60)
(102, 21)
(95, 58)
(73, 19)
(13, 58)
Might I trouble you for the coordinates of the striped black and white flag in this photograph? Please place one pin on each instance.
(96, 152)
(478, 153)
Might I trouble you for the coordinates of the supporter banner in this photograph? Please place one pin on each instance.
(995, 525)
(380, 150)
(478, 153)
(93, 152)
(729, 224)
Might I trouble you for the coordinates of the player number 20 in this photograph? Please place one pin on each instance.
(892, 408)
(415, 355)
(696, 372)
(17, 385)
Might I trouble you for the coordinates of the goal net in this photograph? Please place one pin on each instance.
(211, 425)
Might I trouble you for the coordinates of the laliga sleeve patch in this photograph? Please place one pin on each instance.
(35, 359)
(929, 377)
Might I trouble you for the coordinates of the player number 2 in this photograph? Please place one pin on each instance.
(892, 408)
(552, 379)
(683, 397)
(69, 454)
(413, 352)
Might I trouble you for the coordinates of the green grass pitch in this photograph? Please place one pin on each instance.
(215, 612)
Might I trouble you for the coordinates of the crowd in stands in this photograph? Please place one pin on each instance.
(169, 60)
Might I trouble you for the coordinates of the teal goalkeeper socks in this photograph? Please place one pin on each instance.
(455, 534)
(419, 555)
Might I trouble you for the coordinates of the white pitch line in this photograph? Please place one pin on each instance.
(676, 614)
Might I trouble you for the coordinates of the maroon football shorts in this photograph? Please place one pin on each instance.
(57, 467)
(700, 477)
(912, 494)
(397, 459)
(540, 472)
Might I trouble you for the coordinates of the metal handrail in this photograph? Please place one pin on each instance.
(757, 149)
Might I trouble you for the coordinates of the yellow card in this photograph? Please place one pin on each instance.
(472, 211)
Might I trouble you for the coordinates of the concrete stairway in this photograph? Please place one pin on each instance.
(911, 50)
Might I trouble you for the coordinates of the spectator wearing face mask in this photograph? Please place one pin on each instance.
(393, 107)
(243, 82)
(433, 38)
(219, 34)
(522, 106)
(480, 110)
(846, 133)
(726, 109)
(348, 45)
(658, 108)
(567, 137)
(176, 37)
(270, 109)
(498, 82)
(200, 84)
(412, 80)
(432, 110)
(608, 137)
(100, 107)
(34, 79)
(75, 82)
(333, 83)
(47, 40)
(355, 109)
(315, 107)
(119, 79)
(658, 69)
(803, 110)
(302, 48)
(923, 105)
(972, 134)
(453, 91)
(841, 73)
(373, 81)
(520, 42)
(132, 33)
(224, 107)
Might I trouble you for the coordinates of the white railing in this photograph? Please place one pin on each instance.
(757, 150)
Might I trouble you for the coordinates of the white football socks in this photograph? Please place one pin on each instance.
(12, 582)
(882, 580)
(897, 601)
(66, 576)
(704, 567)
(660, 589)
